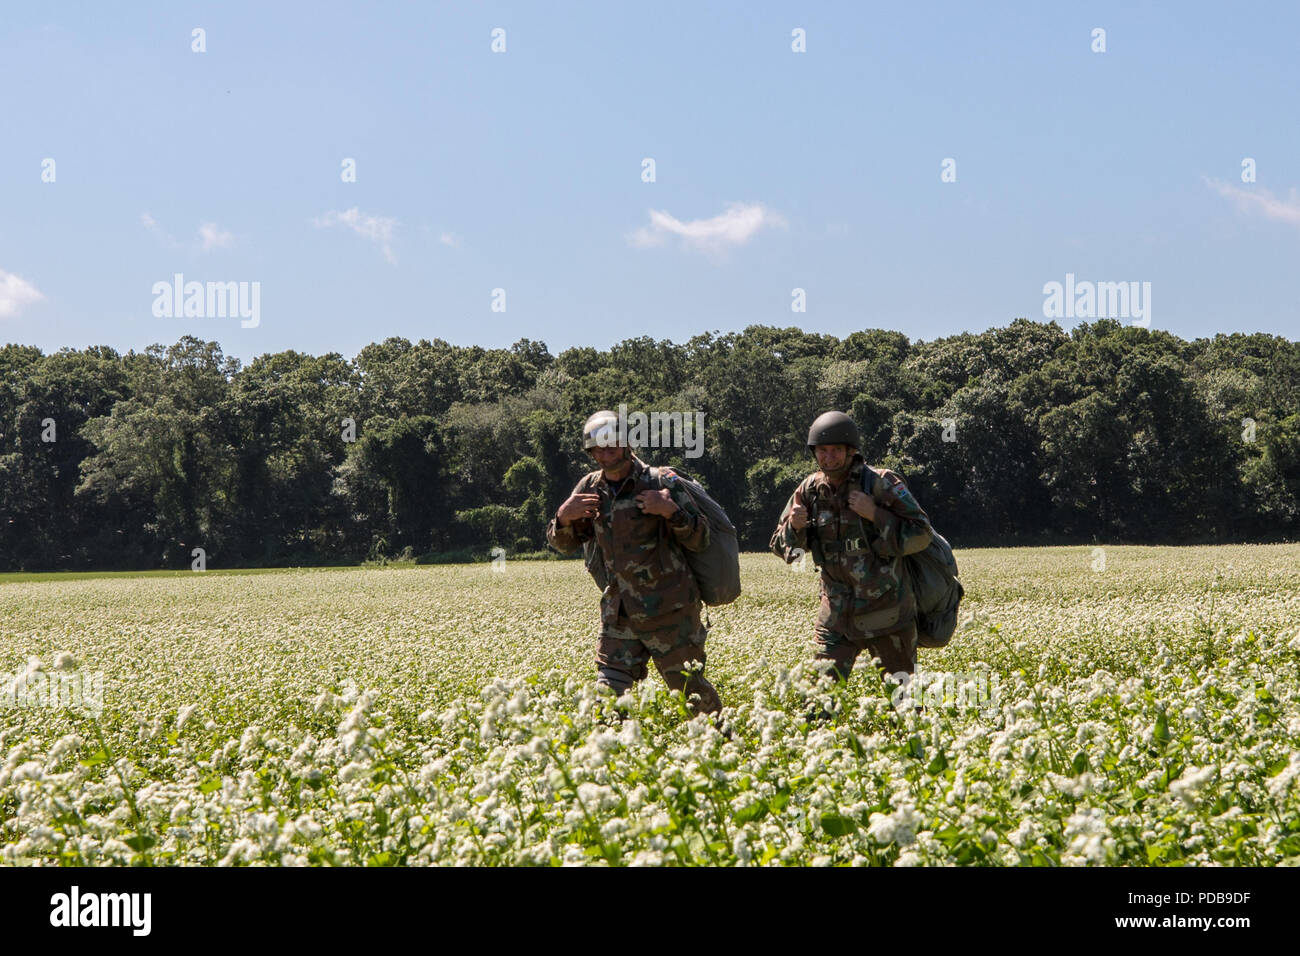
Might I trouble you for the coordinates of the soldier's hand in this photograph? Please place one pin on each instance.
(863, 504)
(577, 507)
(657, 502)
(798, 514)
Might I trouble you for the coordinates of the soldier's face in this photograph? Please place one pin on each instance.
(613, 461)
(832, 458)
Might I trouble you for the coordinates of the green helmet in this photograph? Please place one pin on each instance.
(833, 428)
(600, 430)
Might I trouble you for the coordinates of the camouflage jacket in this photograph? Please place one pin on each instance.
(866, 590)
(650, 583)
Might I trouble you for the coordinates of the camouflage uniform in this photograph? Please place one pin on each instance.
(867, 602)
(651, 607)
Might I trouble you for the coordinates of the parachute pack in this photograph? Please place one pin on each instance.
(934, 581)
(716, 568)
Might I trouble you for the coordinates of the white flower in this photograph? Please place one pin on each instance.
(63, 746)
(740, 847)
(1089, 837)
(882, 828)
(31, 770)
(1278, 785)
(1189, 785)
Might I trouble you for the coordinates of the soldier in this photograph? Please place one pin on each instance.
(651, 606)
(859, 540)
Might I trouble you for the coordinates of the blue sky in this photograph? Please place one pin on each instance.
(522, 170)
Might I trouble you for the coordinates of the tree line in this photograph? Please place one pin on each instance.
(1018, 435)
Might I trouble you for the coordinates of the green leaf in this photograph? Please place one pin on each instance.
(970, 852)
(139, 843)
(1161, 731)
(755, 811)
(855, 745)
(937, 765)
(1172, 772)
(210, 784)
(1080, 763)
(949, 836)
(94, 761)
(836, 825)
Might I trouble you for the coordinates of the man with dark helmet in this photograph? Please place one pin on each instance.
(858, 540)
(650, 609)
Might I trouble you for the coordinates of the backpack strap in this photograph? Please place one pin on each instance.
(814, 540)
(869, 476)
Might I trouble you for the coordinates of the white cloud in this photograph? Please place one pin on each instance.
(214, 237)
(211, 236)
(450, 239)
(735, 227)
(15, 294)
(1261, 201)
(377, 229)
(150, 223)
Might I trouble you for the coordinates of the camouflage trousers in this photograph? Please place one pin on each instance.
(896, 651)
(622, 656)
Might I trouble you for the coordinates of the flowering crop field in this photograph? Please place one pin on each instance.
(1129, 705)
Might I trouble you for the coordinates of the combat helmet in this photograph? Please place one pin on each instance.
(833, 428)
(600, 430)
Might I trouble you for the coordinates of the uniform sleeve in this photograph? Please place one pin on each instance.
(788, 543)
(904, 528)
(689, 527)
(569, 539)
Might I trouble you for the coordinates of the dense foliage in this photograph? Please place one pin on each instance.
(1020, 434)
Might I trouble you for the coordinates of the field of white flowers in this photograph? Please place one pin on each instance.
(1140, 707)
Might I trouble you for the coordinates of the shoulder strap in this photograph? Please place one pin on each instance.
(660, 482)
(809, 499)
(869, 475)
